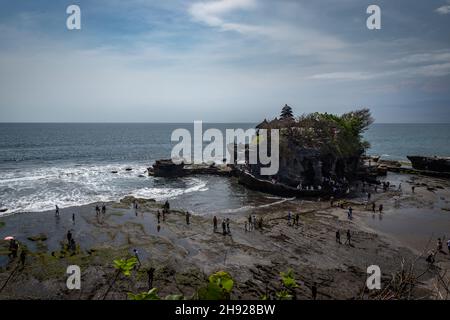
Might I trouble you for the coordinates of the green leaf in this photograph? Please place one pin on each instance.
(125, 265)
(288, 279)
(223, 280)
(150, 295)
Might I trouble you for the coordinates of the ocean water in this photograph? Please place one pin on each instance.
(71, 164)
(396, 141)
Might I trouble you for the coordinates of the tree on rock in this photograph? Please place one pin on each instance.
(286, 113)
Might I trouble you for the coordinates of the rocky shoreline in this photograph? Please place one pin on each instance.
(182, 255)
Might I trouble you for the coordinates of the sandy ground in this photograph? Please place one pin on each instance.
(184, 255)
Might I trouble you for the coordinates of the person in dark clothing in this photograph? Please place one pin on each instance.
(224, 227)
(158, 215)
(57, 211)
(150, 274)
(187, 217)
(349, 238)
(215, 223)
(97, 210)
(430, 258)
(380, 208)
(69, 236)
(373, 207)
(23, 256)
(228, 226)
(338, 236)
(13, 248)
(103, 209)
(314, 291)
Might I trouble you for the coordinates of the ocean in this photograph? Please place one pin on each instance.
(71, 164)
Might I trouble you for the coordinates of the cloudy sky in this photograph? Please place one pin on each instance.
(223, 60)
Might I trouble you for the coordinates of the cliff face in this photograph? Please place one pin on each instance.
(430, 163)
(319, 147)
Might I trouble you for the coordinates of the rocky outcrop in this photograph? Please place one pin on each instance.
(166, 168)
(437, 164)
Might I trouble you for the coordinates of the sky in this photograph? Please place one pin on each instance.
(223, 60)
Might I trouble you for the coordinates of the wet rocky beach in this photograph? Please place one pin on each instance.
(184, 255)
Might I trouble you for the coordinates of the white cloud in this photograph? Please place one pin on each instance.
(212, 12)
(343, 76)
(443, 10)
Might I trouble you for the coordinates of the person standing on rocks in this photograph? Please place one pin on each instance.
(439, 245)
(289, 218)
(249, 223)
(136, 254)
(215, 223)
(69, 236)
(187, 217)
(150, 274)
(338, 236)
(350, 213)
(349, 238)
(297, 218)
(228, 226)
(314, 291)
(23, 256)
(224, 227)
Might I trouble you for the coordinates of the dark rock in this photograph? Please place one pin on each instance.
(166, 168)
(114, 171)
(39, 237)
(128, 169)
(390, 163)
(3, 210)
(438, 164)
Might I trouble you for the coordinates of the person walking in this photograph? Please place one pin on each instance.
(69, 236)
(187, 217)
(224, 227)
(215, 223)
(380, 208)
(338, 236)
(374, 207)
(350, 213)
(349, 238)
(158, 215)
(56, 211)
(103, 209)
(439, 245)
(289, 218)
(23, 256)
